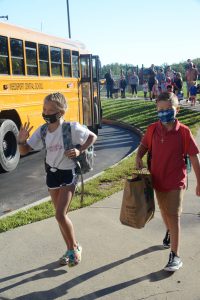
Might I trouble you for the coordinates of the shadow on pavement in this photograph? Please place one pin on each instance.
(50, 271)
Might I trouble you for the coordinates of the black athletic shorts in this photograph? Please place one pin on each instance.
(57, 178)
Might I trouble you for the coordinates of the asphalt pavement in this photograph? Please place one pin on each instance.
(30, 170)
(118, 262)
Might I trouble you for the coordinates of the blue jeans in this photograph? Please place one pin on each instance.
(109, 89)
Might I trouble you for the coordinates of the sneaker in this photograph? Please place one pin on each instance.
(166, 240)
(64, 260)
(74, 256)
(174, 263)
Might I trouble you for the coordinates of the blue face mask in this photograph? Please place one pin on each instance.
(166, 116)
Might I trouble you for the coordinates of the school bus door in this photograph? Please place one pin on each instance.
(90, 90)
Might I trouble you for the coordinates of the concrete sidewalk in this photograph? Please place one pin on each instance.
(118, 262)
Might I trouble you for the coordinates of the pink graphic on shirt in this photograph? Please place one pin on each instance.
(54, 148)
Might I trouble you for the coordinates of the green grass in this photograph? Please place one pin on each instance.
(141, 113)
(138, 113)
(108, 183)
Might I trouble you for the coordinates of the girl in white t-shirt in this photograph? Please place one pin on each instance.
(61, 178)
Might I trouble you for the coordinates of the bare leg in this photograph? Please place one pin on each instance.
(165, 219)
(171, 215)
(174, 228)
(54, 196)
(62, 202)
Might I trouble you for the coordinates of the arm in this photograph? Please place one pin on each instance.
(77, 151)
(91, 140)
(196, 166)
(140, 153)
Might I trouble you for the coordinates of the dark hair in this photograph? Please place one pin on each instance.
(169, 86)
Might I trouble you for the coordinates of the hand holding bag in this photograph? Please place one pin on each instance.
(138, 204)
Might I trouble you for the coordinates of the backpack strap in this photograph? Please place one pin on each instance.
(185, 132)
(43, 133)
(150, 131)
(67, 136)
(67, 141)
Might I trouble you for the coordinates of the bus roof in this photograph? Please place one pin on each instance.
(27, 34)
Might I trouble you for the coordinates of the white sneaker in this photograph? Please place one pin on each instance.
(174, 263)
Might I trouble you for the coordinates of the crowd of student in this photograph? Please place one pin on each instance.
(171, 81)
(157, 81)
(111, 85)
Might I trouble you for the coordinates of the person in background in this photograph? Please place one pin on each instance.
(167, 82)
(168, 170)
(109, 84)
(193, 93)
(178, 84)
(134, 82)
(163, 86)
(170, 74)
(161, 78)
(155, 90)
(122, 86)
(151, 79)
(145, 88)
(191, 75)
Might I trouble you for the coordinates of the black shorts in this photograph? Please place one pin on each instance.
(57, 178)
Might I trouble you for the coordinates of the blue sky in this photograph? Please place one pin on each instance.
(128, 31)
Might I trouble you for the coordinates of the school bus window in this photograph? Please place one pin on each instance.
(31, 58)
(56, 61)
(85, 68)
(4, 66)
(17, 56)
(67, 62)
(44, 60)
(75, 64)
(94, 68)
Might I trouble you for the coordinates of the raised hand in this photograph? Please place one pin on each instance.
(24, 132)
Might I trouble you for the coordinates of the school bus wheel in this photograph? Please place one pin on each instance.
(9, 152)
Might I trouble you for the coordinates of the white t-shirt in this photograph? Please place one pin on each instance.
(54, 144)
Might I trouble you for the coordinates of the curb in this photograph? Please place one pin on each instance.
(46, 199)
(123, 125)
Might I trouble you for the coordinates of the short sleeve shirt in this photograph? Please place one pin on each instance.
(168, 162)
(55, 156)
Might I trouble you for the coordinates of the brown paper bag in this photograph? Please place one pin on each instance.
(138, 204)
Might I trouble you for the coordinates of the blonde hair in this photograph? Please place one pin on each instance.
(171, 97)
(58, 99)
(179, 75)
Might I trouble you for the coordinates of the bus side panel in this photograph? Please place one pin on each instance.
(26, 95)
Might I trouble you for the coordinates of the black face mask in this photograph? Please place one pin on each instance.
(51, 118)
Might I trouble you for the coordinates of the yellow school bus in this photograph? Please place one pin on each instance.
(33, 65)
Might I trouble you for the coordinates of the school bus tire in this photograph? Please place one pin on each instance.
(9, 152)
